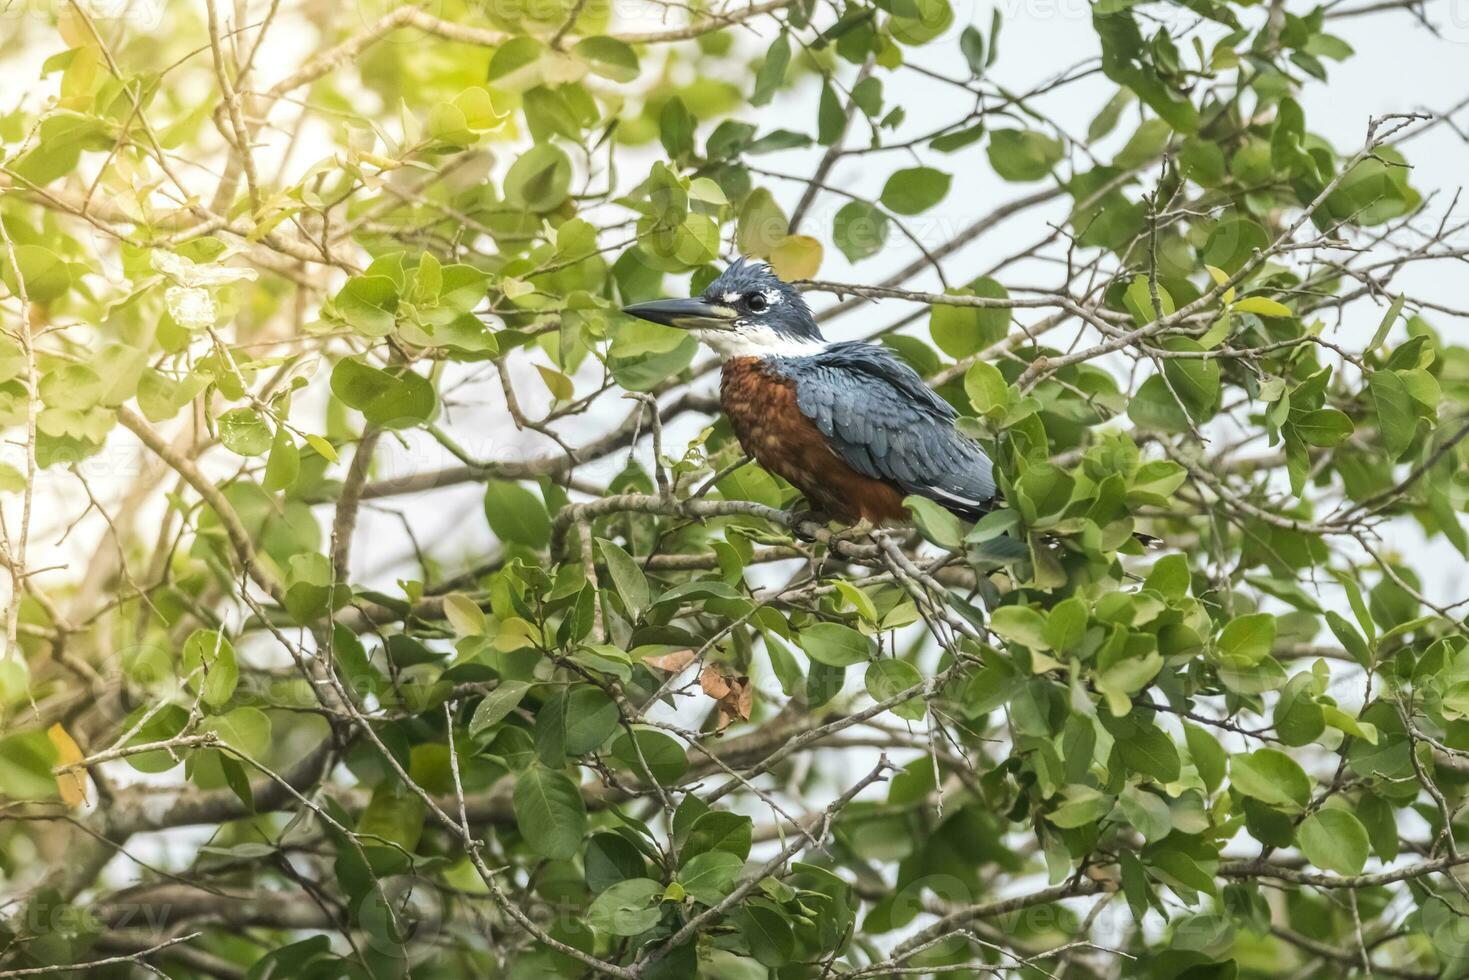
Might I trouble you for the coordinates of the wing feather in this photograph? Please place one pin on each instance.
(884, 422)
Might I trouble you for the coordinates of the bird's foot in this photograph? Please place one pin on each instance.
(861, 529)
(802, 521)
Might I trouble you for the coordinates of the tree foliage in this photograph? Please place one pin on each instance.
(284, 279)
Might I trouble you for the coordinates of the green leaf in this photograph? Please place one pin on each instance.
(986, 387)
(1334, 840)
(787, 669)
(611, 858)
(1272, 777)
(539, 179)
(971, 45)
(477, 108)
(831, 118)
(608, 57)
(1119, 681)
(835, 645)
(762, 224)
(1202, 161)
(937, 524)
(958, 139)
(1169, 576)
(1022, 625)
(666, 760)
(1325, 427)
(1397, 420)
(1147, 812)
(1248, 637)
(1151, 752)
(368, 304)
(591, 718)
(867, 94)
(1134, 883)
(720, 830)
(393, 813)
(1388, 319)
(310, 589)
(246, 730)
(1350, 639)
(46, 275)
(860, 230)
(513, 67)
(1340, 720)
(73, 386)
(321, 447)
(1262, 306)
(464, 615)
(628, 908)
(1066, 624)
(1298, 719)
(516, 515)
(915, 190)
(627, 577)
(888, 678)
(772, 71)
(767, 934)
(1155, 407)
(1082, 805)
(710, 876)
(962, 331)
(1023, 155)
(639, 360)
(1209, 757)
(497, 705)
(1232, 243)
(244, 432)
(548, 114)
(1146, 144)
(1140, 302)
(212, 655)
(393, 399)
(676, 128)
(1195, 381)
(549, 812)
(921, 21)
(284, 464)
(1377, 817)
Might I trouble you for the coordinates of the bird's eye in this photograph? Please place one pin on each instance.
(756, 303)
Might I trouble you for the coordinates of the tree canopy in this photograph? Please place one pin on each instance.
(385, 603)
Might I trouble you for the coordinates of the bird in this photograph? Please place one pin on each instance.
(847, 423)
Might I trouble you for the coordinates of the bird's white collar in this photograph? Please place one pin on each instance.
(749, 340)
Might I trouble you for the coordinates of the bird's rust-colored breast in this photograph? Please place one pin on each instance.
(771, 427)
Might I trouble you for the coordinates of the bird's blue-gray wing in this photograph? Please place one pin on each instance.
(884, 422)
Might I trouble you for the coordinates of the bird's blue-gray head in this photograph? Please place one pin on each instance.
(747, 311)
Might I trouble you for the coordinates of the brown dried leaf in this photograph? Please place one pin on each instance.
(713, 683)
(745, 699)
(671, 662)
(735, 696)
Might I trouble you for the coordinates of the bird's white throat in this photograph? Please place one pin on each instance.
(758, 340)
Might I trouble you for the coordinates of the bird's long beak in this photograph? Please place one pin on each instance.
(686, 314)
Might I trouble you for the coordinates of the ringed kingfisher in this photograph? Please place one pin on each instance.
(849, 424)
